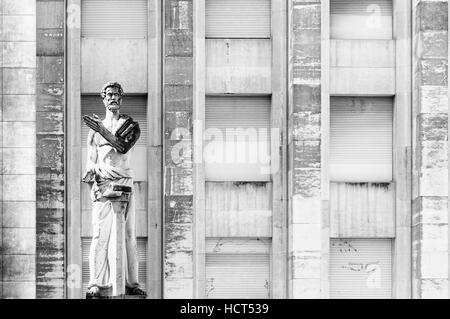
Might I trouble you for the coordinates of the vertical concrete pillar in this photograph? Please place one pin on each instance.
(448, 177)
(304, 167)
(1, 149)
(18, 143)
(402, 158)
(178, 179)
(155, 150)
(430, 151)
(50, 149)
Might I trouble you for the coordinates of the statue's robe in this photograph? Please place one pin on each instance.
(106, 175)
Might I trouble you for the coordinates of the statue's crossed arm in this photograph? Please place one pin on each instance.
(125, 137)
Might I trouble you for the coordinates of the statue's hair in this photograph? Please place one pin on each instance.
(111, 84)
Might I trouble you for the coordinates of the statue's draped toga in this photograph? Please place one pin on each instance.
(106, 176)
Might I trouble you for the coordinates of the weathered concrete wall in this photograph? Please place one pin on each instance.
(178, 180)
(238, 210)
(362, 67)
(50, 201)
(98, 55)
(430, 159)
(304, 165)
(18, 148)
(241, 66)
(362, 210)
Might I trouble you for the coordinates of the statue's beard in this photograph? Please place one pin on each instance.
(113, 106)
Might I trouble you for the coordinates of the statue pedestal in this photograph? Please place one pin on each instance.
(117, 297)
(116, 250)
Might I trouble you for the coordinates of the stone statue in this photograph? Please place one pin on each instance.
(109, 143)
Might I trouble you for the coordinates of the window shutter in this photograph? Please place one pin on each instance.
(114, 18)
(361, 19)
(361, 268)
(237, 268)
(361, 139)
(134, 106)
(244, 154)
(237, 18)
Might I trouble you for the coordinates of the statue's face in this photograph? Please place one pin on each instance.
(112, 99)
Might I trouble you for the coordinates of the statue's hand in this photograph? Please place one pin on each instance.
(94, 123)
(88, 177)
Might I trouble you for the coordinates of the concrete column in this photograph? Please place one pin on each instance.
(304, 167)
(448, 179)
(50, 246)
(178, 178)
(402, 158)
(18, 143)
(430, 159)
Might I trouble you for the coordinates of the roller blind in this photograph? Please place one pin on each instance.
(237, 138)
(237, 268)
(361, 139)
(361, 268)
(134, 106)
(142, 259)
(237, 18)
(114, 18)
(361, 19)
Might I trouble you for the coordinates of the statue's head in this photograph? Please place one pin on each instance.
(111, 94)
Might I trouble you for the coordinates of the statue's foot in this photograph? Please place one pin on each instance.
(93, 292)
(135, 291)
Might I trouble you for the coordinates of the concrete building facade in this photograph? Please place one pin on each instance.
(290, 148)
